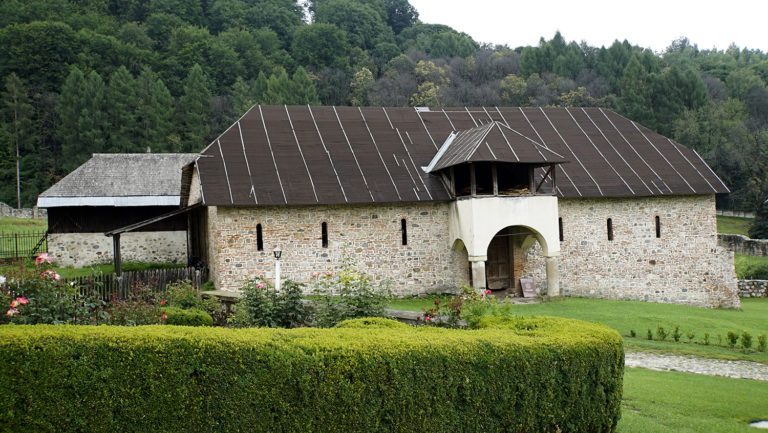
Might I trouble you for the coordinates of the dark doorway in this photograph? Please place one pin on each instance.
(498, 269)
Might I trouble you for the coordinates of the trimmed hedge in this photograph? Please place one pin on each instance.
(189, 317)
(371, 322)
(552, 374)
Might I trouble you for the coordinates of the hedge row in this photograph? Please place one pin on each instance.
(541, 375)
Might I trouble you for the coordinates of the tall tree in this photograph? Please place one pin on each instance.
(82, 117)
(195, 111)
(122, 111)
(155, 111)
(304, 89)
(17, 122)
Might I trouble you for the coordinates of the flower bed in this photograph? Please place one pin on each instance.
(512, 375)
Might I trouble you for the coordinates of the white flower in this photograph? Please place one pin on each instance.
(2, 280)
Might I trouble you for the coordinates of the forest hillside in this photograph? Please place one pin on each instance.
(86, 76)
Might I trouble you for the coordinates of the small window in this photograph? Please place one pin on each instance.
(324, 228)
(560, 228)
(259, 238)
(610, 229)
(658, 226)
(404, 231)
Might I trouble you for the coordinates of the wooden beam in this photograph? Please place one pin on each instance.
(543, 178)
(140, 224)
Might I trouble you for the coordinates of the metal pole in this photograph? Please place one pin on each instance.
(277, 275)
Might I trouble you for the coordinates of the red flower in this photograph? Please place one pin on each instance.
(164, 317)
(22, 300)
(487, 291)
(95, 319)
(162, 302)
(427, 318)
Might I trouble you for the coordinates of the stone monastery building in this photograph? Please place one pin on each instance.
(582, 200)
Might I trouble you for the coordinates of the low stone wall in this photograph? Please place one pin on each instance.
(29, 213)
(84, 249)
(744, 245)
(753, 288)
(736, 213)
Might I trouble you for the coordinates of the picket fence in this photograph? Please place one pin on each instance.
(108, 285)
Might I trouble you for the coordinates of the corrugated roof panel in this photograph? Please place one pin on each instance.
(353, 155)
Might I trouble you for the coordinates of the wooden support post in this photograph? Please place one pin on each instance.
(118, 265)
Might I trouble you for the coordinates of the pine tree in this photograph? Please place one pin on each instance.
(635, 92)
(759, 227)
(82, 126)
(242, 96)
(17, 124)
(195, 111)
(155, 112)
(304, 91)
(122, 110)
(279, 89)
(260, 87)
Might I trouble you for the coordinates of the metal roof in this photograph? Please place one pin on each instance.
(492, 141)
(294, 155)
(132, 179)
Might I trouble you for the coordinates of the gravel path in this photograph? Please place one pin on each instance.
(697, 365)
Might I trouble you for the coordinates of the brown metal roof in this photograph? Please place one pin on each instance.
(322, 155)
(492, 141)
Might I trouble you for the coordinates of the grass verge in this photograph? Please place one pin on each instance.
(750, 267)
(626, 316)
(663, 402)
(10, 225)
(733, 225)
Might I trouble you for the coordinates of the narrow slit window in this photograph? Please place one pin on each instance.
(560, 228)
(324, 229)
(259, 238)
(404, 231)
(658, 226)
(610, 229)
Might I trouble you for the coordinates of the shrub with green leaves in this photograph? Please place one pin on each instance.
(540, 375)
(261, 305)
(732, 339)
(746, 340)
(347, 294)
(761, 340)
(371, 322)
(188, 317)
(37, 295)
(661, 333)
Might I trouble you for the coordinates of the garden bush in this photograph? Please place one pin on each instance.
(550, 375)
(261, 305)
(347, 294)
(371, 322)
(188, 317)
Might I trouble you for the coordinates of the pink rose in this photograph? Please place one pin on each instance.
(43, 257)
(427, 318)
(330, 273)
(165, 317)
(487, 292)
(315, 274)
(14, 304)
(261, 286)
(12, 312)
(22, 300)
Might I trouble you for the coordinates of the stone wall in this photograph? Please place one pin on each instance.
(684, 266)
(744, 245)
(29, 213)
(753, 288)
(84, 249)
(369, 235)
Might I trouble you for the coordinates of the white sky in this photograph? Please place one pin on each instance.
(648, 23)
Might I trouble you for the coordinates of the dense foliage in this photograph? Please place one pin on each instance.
(542, 375)
(88, 76)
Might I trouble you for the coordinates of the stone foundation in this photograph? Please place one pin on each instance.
(753, 288)
(368, 235)
(84, 249)
(683, 266)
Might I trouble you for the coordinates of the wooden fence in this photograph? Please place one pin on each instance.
(108, 285)
(22, 245)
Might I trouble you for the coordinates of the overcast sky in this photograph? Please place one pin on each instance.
(650, 23)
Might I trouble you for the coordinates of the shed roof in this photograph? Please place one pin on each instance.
(495, 142)
(125, 179)
(294, 155)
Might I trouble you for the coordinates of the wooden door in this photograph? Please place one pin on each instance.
(498, 270)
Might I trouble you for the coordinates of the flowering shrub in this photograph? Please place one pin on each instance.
(348, 294)
(143, 307)
(262, 306)
(38, 296)
(465, 309)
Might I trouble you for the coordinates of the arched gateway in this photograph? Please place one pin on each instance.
(504, 189)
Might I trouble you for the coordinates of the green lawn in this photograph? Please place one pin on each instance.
(733, 225)
(22, 225)
(670, 402)
(750, 267)
(625, 316)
